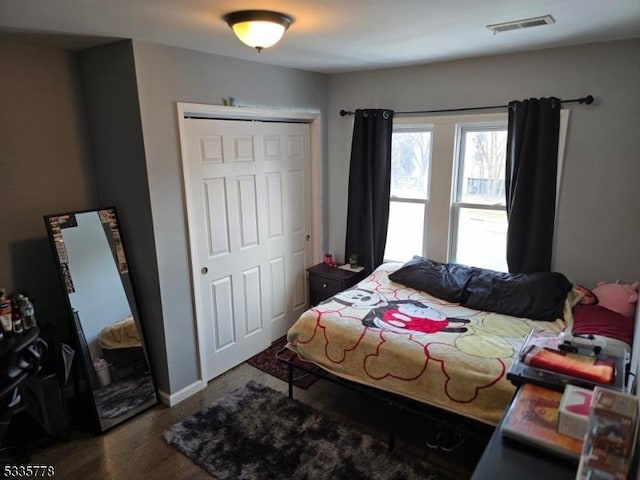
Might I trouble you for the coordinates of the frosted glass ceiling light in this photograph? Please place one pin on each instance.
(258, 28)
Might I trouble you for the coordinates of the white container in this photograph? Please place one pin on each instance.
(101, 367)
(574, 411)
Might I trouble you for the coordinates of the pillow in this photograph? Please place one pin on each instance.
(446, 281)
(619, 297)
(538, 296)
(599, 320)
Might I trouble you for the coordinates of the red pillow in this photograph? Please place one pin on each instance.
(602, 321)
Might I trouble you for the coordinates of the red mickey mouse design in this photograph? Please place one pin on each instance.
(402, 316)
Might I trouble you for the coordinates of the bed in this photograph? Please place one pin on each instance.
(121, 347)
(431, 349)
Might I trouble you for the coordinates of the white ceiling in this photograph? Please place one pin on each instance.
(327, 35)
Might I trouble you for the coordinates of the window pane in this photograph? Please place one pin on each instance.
(410, 154)
(405, 231)
(483, 167)
(482, 238)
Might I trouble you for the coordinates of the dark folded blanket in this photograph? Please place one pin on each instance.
(538, 296)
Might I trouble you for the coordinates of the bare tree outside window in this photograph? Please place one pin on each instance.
(484, 167)
(410, 154)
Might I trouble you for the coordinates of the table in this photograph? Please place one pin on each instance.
(506, 459)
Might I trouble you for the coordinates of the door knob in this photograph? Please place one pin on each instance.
(204, 270)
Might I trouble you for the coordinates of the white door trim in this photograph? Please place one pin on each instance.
(313, 118)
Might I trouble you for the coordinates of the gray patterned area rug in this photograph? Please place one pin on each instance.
(257, 433)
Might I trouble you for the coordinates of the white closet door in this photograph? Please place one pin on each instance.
(238, 177)
(287, 185)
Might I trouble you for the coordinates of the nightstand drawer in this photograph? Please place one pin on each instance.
(326, 286)
(326, 281)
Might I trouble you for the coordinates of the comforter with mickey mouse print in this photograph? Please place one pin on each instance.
(405, 341)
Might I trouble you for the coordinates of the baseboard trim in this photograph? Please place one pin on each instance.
(175, 398)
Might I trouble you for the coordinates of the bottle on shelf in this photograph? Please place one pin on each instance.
(28, 313)
(5, 312)
(16, 317)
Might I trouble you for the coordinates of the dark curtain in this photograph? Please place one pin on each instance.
(531, 172)
(369, 185)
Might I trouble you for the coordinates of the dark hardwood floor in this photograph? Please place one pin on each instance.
(136, 449)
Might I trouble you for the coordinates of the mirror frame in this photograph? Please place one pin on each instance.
(71, 321)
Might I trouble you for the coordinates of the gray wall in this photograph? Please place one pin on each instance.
(168, 75)
(598, 231)
(44, 168)
(113, 112)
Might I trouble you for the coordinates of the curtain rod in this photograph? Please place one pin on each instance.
(588, 100)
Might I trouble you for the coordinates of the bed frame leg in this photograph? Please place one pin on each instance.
(290, 380)
(395, 414)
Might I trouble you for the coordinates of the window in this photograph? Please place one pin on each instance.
(409, 202)
(447, 190)
(447, 198)
(478, 212)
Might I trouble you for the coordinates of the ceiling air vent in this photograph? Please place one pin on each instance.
(519, 24)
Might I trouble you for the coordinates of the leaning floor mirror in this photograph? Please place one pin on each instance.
(95, 276)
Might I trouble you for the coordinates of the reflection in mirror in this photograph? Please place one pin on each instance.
(95, 273)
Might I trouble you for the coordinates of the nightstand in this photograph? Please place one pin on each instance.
(326, 281)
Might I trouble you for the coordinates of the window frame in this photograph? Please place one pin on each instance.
(422, 128)
(459, 153)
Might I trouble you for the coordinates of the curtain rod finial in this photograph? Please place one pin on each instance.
(588, 100)
(344, 113)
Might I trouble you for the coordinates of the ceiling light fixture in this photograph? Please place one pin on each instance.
(519, 24)
(258, 28)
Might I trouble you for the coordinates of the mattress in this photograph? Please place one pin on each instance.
(405, 341)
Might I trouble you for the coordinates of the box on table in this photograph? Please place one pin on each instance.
(533, 418)
(574, 411)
